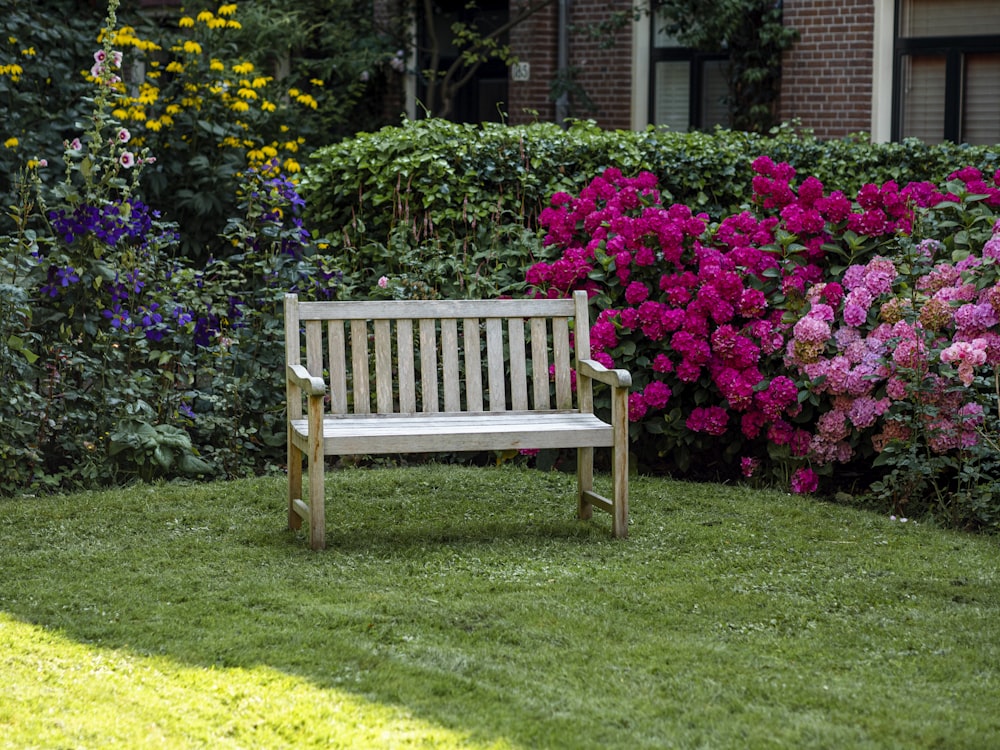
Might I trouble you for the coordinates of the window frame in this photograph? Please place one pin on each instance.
(696, 60)
(953, 49)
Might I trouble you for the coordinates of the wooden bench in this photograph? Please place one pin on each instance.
(442, 376)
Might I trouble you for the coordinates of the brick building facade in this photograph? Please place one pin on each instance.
(889, 68)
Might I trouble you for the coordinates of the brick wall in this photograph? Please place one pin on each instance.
(606, 74)
(827, 75)
(534, 41)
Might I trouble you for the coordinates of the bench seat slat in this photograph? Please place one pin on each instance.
(458, 432)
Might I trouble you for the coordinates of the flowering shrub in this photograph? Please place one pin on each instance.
(127, 360)
(811, 331)
(211, 89)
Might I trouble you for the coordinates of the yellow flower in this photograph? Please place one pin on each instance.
(239, 106)
(243, 68)
(216, 65)
(307, 100)
(119, 114)
(186, 22)
(227, 10)
(148, 94)
(260, 82)
(217, 23)
(292, 146)
(154, 125)
(173, 109)
(255, 155)
(269, 151)
(175, 67)
(292, 166)
(283, 128)
(192, 47)
(30, 52)
(247, 94)
(12, 39)
(233, 24)
(293, 92)
(316, 81)
(11, 142)
(267, 106)
(205, 16)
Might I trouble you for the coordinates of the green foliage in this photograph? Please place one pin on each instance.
(405, 197)
(40, 82)
(206, 90)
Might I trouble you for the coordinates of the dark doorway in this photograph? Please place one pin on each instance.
(483, 97)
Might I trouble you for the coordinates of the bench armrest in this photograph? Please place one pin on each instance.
(616, 378)
(311, 385)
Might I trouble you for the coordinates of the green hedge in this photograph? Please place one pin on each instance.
(447, 198)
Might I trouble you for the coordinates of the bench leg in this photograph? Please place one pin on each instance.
(294, 483)
(584, 481)
(619, 463)
(317, 514)
(619, 493)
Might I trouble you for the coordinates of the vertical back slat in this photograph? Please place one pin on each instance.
(407, 377)
(449, 362)
(383, 367)
(581, 348)
(293, 354)
(338, 366)
(473, 365)
(560, 350)
(494, 364)
(314, 347)
(518, 372)
(428, 366)
(540, 363)
(359, 366)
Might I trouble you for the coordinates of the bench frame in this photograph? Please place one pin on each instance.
(383, 409)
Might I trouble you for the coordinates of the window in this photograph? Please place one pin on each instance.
(688, 89)
(947, 71)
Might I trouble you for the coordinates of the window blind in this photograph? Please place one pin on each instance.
(923, 98)
(923, 18)
(672, 87)
(981, 103)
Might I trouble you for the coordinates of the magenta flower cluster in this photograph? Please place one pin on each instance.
(731, 333)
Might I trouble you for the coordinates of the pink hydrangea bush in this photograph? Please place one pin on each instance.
(801, 333)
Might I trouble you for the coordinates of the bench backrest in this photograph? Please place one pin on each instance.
(427, 356)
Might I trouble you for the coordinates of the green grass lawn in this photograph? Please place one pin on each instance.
(467, 608)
